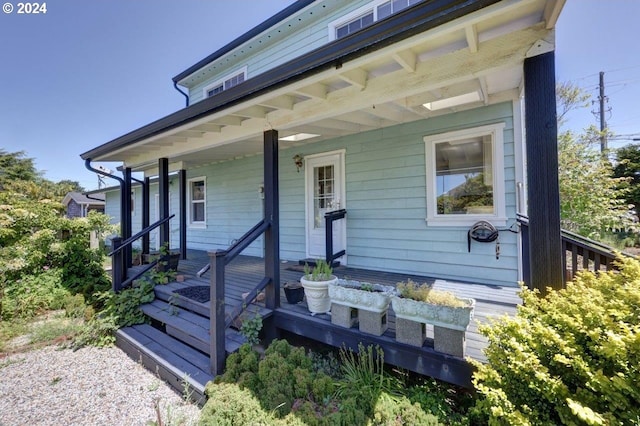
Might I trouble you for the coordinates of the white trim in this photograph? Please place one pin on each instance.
(520, 164)
(190, 222)
(496, 131)
(355, 14)
(341, 153)
(133, 202)
(242, 70)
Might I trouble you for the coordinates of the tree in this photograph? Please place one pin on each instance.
(592, 200)
(16, 166)
(628, 166)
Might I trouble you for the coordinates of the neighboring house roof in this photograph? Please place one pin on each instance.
(411, 21)
(83, 199)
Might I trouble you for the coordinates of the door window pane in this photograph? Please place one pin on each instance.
(323, 194)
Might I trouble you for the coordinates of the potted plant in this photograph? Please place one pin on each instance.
(169, 260)
(418, 305)
(294, 292)
(366, 303)
(316, 286)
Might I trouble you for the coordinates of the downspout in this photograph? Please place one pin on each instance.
(175, 86)
(87, 164)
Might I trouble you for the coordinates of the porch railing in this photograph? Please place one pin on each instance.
(119, 278)
(329, 218)
(219, 259)
(579, 253)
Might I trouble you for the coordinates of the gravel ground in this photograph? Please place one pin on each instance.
(91, 386)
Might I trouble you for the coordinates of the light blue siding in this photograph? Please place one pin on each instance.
(269, 55)
(386, 203)
(385, 200)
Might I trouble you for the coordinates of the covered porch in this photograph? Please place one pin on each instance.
(179, 345)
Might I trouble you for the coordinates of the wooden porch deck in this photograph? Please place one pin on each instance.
(184, 346)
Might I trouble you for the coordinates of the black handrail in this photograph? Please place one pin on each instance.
(573, 245)
(242, 243)
(329, 218)
(140, 234)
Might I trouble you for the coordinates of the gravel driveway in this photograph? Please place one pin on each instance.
(91, 386)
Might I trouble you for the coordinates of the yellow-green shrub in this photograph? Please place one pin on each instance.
(572, 357)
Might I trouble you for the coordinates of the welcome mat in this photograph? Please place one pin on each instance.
(199, 293)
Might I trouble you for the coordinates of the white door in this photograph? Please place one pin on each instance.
(325, 192)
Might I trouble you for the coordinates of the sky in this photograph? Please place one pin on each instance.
(86, 72)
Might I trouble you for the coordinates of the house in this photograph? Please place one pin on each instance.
(79, 205)
(409, 115)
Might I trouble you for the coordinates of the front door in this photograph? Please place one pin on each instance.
(325, 192)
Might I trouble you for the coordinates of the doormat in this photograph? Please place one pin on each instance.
(199, 293)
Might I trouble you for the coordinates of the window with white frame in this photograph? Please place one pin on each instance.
(465, 176)
(366, 16)
(197, 201)
(225, 83)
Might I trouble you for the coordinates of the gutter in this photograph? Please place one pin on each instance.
(409, 22)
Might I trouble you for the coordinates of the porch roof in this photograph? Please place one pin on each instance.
(377, 77)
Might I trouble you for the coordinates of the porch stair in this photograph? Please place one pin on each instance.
(176, 345)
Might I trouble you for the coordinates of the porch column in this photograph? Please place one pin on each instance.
(545, 242)
(146, 188)
(126, 206)
(183, 213)
(163, 198)
(272, 216)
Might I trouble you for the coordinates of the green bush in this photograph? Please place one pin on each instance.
(33, 294)
(572, 357)
(229, 405)
(390, 410)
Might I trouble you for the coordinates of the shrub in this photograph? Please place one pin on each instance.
(572, 357)
(230, 405)
(33, 294)
(390, 410)
(364, 377)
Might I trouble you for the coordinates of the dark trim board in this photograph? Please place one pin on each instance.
(424, 360)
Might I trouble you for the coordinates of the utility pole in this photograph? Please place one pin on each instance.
(603, 122)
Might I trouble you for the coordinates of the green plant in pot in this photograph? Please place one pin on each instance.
(421, 304)
(315, 282)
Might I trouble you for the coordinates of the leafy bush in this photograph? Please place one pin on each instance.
(572, 357)
(231, 405)
(33, 294)
(393, 410)
(364, 378)
(441, 399)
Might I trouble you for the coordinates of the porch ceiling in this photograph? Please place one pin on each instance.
(483, 51)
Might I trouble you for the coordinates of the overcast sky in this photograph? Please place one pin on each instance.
(87, 72)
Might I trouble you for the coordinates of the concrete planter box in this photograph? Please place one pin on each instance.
(349, 293)
(449, 324)
(350, 304)
(317, 294)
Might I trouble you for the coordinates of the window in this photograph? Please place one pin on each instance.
(366, 16)
(226, 83)
(197, 201)
(465, 176)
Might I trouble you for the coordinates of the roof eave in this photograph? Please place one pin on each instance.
(416, 19)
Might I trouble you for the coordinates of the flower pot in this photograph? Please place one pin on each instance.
(317, 294)
(449, 324)
(428, 313)
(294, 292)
(169, 262)
(349, 293)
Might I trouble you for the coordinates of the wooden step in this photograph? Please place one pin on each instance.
(166, 293)
(189, 327)
(183, 367)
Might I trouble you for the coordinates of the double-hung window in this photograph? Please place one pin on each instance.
(366, 15)
(197, 201)
(465, 176)
(226, 83)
